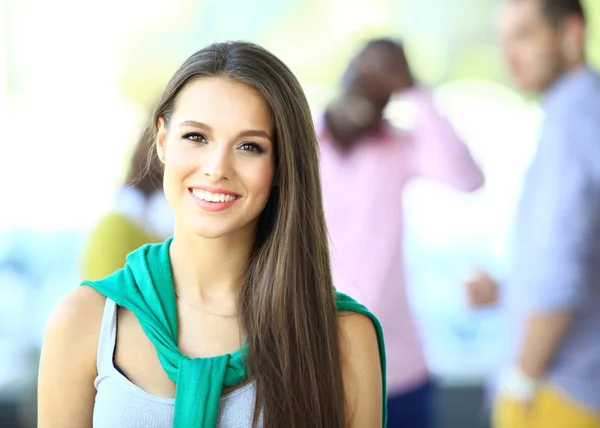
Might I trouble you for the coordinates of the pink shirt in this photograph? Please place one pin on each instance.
(362, 193)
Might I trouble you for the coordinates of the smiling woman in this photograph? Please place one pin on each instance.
(229, 154)
(233, 322)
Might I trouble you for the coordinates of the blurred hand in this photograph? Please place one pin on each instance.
(515, 385)
(349, 117)
(482, 289)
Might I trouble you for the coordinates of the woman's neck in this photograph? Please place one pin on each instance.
(210, 270)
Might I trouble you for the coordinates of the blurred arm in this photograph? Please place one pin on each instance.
(566, 234)
(543, 334)
(439, 154)
(67, 371)
(361, 370)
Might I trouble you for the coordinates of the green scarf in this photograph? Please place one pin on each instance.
(145, 287)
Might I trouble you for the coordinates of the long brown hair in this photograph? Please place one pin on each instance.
(145, 171)
(287, 301)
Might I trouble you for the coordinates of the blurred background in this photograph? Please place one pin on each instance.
(77, 80)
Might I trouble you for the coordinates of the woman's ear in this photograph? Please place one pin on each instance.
(161, 139)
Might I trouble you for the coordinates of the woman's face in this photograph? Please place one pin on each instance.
(218, 151)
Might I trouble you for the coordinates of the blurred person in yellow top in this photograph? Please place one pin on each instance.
(552, 293)
(139, 215)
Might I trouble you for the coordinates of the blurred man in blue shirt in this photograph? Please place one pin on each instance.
(552, 377)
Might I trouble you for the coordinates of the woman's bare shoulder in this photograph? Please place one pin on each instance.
(68, 360)
(361, 369)
(77, 315)
(357, 329)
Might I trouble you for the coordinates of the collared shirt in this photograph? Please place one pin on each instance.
(362, 194)
(556, 251)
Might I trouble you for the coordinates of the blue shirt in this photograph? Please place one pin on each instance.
(556, 258)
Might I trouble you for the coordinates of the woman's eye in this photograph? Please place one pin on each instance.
(195, 137)
(251, 147)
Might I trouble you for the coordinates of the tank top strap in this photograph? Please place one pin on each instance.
(108, 336)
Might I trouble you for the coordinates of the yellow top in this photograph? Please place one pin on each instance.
(109, 243)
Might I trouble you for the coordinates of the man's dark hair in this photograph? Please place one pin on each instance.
(557, 10)
(391, 44)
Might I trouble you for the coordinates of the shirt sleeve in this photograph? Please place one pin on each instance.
(438, 153)
(568, 220)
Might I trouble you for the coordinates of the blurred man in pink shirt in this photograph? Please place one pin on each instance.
(365, 164)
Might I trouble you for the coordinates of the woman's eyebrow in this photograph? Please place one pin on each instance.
(246, 133)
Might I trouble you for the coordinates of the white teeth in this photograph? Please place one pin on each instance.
(212, 197)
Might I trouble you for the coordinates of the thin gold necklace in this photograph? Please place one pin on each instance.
(204, 311)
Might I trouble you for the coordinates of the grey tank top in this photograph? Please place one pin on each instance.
(121, 404)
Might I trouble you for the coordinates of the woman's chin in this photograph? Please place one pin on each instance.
(212, 228)
(208, 232)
